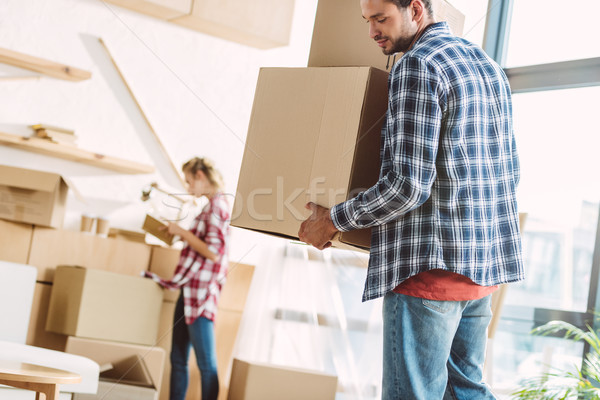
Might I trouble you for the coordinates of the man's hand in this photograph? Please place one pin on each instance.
(318, 229)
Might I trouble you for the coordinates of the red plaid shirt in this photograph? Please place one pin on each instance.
(201, 279)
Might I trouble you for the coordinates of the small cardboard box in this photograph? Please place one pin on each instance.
(105, 352)
(104, 305)
(128, 379)
(259, 381)
(341, 36)
(15, 241)
(158, 229)
(32, 197)
(52, 247)
(314, 135)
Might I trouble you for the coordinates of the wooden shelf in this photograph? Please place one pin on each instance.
(46, 147)
(46, 67)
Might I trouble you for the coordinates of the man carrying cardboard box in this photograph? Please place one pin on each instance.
(444, 212)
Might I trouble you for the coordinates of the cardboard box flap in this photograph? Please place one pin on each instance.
(29, 179)
(130, 371)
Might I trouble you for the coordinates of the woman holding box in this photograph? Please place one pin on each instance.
(200, 274)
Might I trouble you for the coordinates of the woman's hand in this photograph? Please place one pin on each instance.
(173, 229)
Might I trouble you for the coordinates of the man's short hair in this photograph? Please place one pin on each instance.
(406, 3)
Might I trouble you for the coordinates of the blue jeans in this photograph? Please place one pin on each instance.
(200, 335)
(434, 349)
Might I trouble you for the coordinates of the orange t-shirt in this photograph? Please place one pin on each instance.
(438, 284)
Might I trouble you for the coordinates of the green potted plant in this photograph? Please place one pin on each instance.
(564, 385)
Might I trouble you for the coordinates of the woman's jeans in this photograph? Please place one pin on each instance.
(434, 349)
(199, 335)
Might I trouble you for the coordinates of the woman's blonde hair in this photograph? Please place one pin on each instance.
(207, 167)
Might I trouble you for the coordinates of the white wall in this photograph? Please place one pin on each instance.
(197, 91)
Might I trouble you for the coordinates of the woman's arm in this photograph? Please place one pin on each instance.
(194, 241)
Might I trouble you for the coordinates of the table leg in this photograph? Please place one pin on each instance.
(52, 392)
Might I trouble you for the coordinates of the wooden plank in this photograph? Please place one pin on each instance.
(244, 22)
(162, 9)
(47, 67)
(156, 137)
(72, 153)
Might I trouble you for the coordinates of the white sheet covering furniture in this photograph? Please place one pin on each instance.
(17, 283)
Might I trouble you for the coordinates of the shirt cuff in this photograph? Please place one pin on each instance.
(341, 217)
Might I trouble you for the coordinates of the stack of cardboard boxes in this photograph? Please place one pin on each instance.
(314, 133)
(89, 297)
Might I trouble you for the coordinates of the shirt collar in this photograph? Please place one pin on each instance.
(435, 29)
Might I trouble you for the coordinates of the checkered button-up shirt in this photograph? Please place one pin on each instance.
(200, 279)
(445, 198)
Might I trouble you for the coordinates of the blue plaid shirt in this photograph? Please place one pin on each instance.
(445, 198)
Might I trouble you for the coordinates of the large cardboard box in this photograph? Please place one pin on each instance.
(50, 247)
(15, 241)
(163, 261)
(128, 379)
(245, 21)
(259, 381)
(37, 335)
(32, 197)
(105, 352)
(104, 305)
(314, 135)
(341, 36)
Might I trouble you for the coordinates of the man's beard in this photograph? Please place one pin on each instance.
(400, 45)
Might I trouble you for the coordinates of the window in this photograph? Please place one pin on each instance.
(555, 84)
(558, 139)
(546, 31)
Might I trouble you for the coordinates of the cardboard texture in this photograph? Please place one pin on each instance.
(245, 21)
(32, 197)
(163, 261)
(163, 340)
(37, 335)
(235, 291)
(106, 352)
(134, 236)
(227, 325)
(259, 381)
(341, 36)
(321, 145)
(157, 228)
(50, 248)
(15, 241)
(103, 305)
